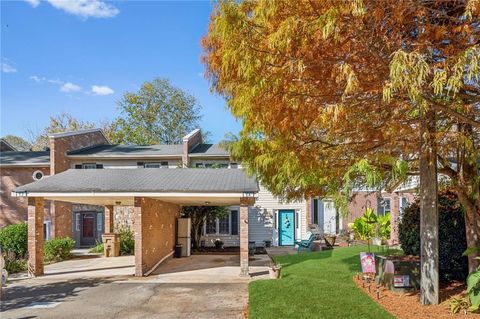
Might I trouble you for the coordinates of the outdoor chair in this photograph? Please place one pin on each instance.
(306, 244)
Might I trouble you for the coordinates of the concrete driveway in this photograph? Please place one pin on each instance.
(195, 287)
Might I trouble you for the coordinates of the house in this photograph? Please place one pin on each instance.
(5, 146)
(269, 219)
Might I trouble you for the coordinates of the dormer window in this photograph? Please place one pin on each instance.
(156, 165)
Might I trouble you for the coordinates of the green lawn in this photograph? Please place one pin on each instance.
(314, 285)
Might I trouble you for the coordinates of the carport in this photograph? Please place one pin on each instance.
(156, 195)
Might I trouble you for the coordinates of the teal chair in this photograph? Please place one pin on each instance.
(306, 244)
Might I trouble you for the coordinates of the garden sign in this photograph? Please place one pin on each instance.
(367, 260)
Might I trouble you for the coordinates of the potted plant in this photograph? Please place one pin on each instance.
(275, 271)
(218, 244)
(363, 226)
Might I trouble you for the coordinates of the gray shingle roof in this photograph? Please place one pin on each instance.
(115, 151)
(153, 180)
(202, 150)
(40, 158)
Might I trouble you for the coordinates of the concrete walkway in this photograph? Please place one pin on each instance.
(203, 286)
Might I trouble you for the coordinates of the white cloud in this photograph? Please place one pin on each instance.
(37, 78)
(7, 68)
(69, 87)
(101, 90)
(55, 81)
(33, 3)
(86, 8)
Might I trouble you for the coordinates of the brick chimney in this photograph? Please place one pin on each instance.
(190, 140)
(60, 145)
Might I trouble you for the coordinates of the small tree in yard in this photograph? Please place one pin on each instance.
(199, 215)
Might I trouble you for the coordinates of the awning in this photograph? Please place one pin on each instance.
(186, 186)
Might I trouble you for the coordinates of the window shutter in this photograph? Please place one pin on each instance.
(315, 212)
(99, 166)
(78, 166)
(234, 221)
(140, 164)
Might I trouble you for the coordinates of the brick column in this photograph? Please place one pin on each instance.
(244, 203)
(35, 235)
(61, 219)
(108, 219)
(140, 267)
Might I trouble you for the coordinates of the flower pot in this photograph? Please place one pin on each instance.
(275, 271)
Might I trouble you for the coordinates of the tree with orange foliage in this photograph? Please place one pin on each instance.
(339, 93)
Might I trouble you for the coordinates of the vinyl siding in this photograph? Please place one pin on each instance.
(261, 215)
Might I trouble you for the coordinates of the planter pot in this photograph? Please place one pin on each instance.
(330, 240)
(275, 272)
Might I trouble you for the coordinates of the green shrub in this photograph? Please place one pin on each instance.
(16, 265)
(97, 249)
(58, 249)
(127, 241)
(452, 239)
(14, 239)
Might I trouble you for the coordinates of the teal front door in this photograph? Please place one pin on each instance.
(286, 228)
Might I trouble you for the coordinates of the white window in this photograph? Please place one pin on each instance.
(89, 165)
(46, 230)
(77, 222)
(100, 222)
(224, 225)
(156, 165)
(227, 225)
(403, 203)
(384, 207)
(211, 227)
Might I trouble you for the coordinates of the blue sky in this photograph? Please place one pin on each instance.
(80, 57)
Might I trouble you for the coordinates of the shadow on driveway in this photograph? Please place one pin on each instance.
(20, 296)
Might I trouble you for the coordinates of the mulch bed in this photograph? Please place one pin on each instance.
(407, 306)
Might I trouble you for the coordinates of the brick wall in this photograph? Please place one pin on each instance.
(363, 200)
(59, 162)
(13, 210)
(155, 232)
(60, 145)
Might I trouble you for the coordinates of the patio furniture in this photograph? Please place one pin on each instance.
(306, 244)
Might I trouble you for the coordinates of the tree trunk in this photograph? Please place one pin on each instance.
(472, 229)
(468, 192)
(429, 284)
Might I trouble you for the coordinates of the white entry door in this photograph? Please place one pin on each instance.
(329, 218)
